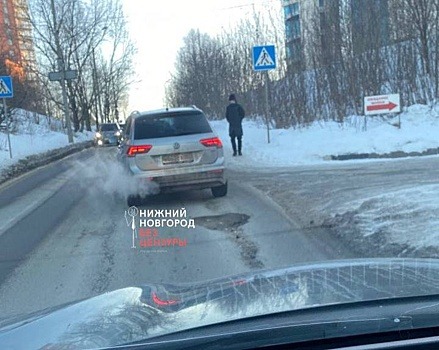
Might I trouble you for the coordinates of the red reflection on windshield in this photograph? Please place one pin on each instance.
(161, 302)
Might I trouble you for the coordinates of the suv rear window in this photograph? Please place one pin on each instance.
(170, 124)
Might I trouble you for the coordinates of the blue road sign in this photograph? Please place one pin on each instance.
(264, 57)
(6, 89)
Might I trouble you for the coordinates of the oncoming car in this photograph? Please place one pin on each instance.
(175, 148)
(107, 134)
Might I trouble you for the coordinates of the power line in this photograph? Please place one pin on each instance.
(246, 5)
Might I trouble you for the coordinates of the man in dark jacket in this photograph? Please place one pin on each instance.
(234, 115)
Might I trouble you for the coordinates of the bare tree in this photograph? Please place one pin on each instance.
(349, 49)
(208, 68)
(74, 31)
(115, 67)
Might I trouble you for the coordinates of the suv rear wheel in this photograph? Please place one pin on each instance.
(219, 191)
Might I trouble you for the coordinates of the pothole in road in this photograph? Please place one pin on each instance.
(231, 223)
(224, 222)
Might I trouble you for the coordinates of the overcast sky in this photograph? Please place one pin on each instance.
(158, 27)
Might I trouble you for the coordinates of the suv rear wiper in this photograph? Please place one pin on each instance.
(185, 133)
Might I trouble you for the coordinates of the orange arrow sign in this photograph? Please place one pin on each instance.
(389, 106)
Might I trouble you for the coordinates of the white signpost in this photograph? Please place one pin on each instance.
(264, 59)
(382, 104)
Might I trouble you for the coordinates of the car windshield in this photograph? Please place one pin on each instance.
(171, 124)
(168, 165)
(108, 127)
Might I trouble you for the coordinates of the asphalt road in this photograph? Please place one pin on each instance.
(64, 236)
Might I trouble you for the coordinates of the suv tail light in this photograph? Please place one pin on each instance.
(134, 150)
(212, 142)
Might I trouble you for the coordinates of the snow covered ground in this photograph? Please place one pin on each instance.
(408, 216)
(419, 131)
(403, 216)
(29, 138)
(314, 144)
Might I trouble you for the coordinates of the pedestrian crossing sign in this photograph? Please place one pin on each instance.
(264, 57)
(6, 90)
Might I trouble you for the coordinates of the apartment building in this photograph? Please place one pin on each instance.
(16, 44)
(316, 30)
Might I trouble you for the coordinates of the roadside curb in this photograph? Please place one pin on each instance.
(395, 154)
(37, 160)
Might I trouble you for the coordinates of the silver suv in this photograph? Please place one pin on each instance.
(176, 149)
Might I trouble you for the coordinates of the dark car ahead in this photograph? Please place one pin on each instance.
(107, 134)
(176, 149)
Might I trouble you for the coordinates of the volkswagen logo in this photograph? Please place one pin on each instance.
(176, 145)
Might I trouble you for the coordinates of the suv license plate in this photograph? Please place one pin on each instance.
(178, 158)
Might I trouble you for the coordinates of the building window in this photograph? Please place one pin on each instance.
(10, 41)
(296, 28)
(323, 23)
(295, 9)
(287, 11)
(289, 29)
(294, 50)
(321, 3)
(291, 10)
(292, 27)
(289, 53)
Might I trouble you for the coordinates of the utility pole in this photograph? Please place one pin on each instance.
(96, 89)
(62, 70)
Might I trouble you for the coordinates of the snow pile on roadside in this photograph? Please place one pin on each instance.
(407, 217)
(32, 123)
(314, 144)
(34, 134)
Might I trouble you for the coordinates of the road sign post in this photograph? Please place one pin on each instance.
(267, 110)
(62, 76)
(5, 107)
(382, 104)
(7, 91)
(58, 76)
(264, 59)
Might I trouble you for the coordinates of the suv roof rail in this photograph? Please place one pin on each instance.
(194, 107)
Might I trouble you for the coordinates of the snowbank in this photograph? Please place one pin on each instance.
(315, 144)
(34, 134)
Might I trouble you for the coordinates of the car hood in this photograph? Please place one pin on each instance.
(141, 312)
